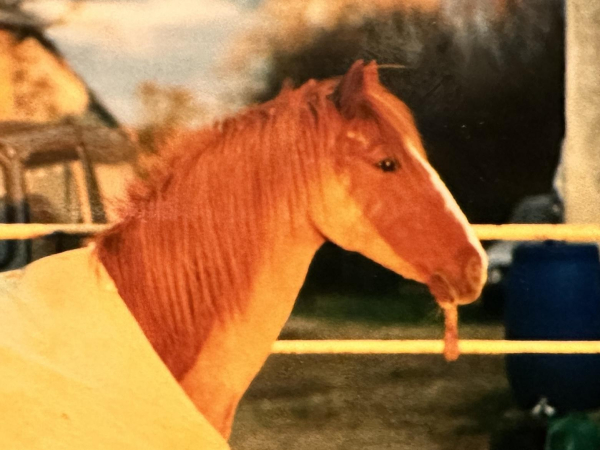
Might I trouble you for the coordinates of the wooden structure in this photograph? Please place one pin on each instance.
(62, 155)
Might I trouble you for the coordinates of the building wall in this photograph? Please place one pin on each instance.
(582, 151)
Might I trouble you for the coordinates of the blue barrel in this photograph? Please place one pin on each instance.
(553, 293)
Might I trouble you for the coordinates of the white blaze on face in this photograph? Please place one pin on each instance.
(449, 202)
(392, 106)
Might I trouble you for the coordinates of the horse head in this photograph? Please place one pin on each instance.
(380, 197)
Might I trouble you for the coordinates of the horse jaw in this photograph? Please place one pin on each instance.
(459, 280)
(352, 231)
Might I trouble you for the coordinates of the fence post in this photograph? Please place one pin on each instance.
(581, 156)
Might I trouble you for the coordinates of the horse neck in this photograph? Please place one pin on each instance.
(191, 276)
(235, 350)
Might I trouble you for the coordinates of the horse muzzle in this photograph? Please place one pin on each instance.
(462, 289)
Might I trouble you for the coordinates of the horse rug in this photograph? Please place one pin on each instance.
(77, 372)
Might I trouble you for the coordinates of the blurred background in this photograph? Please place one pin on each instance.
(485, 80)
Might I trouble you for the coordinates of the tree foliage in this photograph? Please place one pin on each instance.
(164, 110)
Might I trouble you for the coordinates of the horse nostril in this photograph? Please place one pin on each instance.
(474, 271)
(440, 289)
(460, 287)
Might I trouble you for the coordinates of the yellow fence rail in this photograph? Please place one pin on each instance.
(528, 232)
(38, 230)
(511, 232)
(420, 347)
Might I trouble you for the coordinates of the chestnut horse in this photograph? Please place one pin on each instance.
(212, 249)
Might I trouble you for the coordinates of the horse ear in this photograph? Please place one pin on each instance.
(286, 86)
(351, 93)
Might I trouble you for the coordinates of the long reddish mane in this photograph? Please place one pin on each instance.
(188, 232)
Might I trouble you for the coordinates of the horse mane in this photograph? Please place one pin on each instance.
(298, 112)
(240, 135)
(191, 233)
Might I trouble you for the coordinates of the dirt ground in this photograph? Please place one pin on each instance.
(319, 402)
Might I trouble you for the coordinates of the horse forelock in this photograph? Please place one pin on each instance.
(371, 108)
(395, 121)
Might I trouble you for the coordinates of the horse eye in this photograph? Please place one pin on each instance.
(388, 165)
